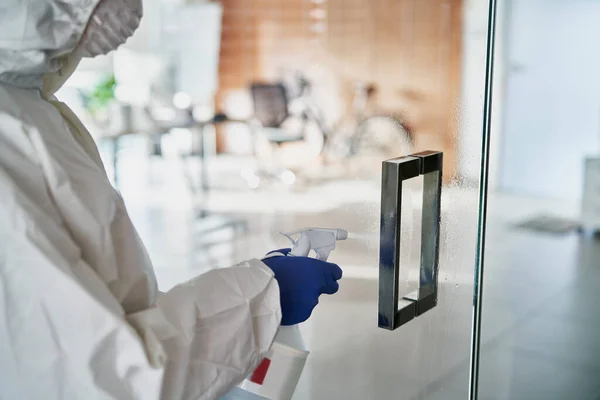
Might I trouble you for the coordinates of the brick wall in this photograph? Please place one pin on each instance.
(411, 49)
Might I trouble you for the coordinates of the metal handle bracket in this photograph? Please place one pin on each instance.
(393, 310)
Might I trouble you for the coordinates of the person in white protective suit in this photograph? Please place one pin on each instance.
(80, 313)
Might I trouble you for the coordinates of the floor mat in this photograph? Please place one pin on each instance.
(549, 224)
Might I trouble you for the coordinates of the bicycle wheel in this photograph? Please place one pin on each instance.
(381, 136)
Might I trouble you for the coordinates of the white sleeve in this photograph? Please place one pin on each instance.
(226, 321)
(63, 334)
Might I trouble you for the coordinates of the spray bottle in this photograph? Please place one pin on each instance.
(278, 374)
(321, 240)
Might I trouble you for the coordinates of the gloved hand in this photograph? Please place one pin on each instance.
(301, 281)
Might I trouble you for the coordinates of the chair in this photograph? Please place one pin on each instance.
(270, 114)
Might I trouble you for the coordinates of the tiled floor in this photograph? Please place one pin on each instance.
(541, 323)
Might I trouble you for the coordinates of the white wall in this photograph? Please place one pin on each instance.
(552, 104)
(194, 44)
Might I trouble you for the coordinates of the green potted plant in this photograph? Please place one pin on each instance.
(100, 98)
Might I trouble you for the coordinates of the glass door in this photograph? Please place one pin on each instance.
(401, 325)
(369, 81)
(540, 331)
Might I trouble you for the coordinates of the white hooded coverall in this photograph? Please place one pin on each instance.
(80, 313)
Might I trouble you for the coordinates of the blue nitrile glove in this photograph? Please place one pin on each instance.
(301, 281)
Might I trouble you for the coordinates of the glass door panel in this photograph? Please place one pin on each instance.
(540, 332)
(429, 59)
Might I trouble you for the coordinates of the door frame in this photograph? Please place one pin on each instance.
(483, 197)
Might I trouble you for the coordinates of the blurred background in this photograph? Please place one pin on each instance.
(223, 123)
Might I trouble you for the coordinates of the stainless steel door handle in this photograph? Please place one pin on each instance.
(393, 310)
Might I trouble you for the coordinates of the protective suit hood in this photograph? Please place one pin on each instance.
(37, 39)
